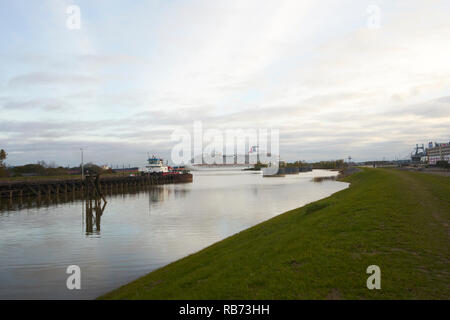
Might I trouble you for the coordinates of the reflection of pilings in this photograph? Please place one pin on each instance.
(39, 188)
(28, 202)
(94, 197)
(94, 212)
(92, 188)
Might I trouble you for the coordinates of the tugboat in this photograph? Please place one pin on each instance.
(155, 165)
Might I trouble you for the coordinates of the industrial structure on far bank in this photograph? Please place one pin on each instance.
(434, 153)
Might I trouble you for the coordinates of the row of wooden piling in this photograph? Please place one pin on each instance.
(97, 185)
(28, 202)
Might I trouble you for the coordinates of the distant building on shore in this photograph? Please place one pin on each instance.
(431, 155)
(438, 152)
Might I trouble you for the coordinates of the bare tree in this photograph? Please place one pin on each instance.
(3, 156)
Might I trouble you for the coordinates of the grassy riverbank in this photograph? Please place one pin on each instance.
(395, 219)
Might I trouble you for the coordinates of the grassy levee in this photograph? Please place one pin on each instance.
(397, 220)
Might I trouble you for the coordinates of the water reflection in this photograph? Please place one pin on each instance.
(156, 194)
(160, 194)
(93, 214)
(92, 209)
(137, 231)
(20, 203)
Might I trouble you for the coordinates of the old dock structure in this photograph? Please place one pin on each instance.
(100, 185)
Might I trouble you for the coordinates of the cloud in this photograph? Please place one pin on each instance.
(312, 138)
(43, 78)
(133, 74)
(437, 109)
(48, 104)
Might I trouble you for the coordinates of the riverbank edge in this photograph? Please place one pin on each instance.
(390, 218)
(343, 176)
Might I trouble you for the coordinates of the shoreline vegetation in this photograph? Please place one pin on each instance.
(342, 174)
(327, 165)
(51, 178)
(397, 220)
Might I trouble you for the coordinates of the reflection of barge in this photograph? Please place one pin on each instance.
(271, 175)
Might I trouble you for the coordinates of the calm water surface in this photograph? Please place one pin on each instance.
(139, 232)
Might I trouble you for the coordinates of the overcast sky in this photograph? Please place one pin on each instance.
(332, 80)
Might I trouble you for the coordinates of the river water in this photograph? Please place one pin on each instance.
(139, 232)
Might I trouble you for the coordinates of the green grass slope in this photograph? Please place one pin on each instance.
(395, 219)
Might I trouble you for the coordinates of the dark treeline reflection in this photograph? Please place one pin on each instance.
(156, 194)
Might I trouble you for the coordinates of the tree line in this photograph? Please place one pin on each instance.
(41, 168)
(332, 164)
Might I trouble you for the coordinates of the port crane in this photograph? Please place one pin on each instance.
(418, 153)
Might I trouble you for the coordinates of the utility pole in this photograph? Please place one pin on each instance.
(82, 165)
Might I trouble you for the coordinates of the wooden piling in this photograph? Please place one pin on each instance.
(100, 185)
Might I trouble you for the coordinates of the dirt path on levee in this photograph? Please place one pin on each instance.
(427, 200)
